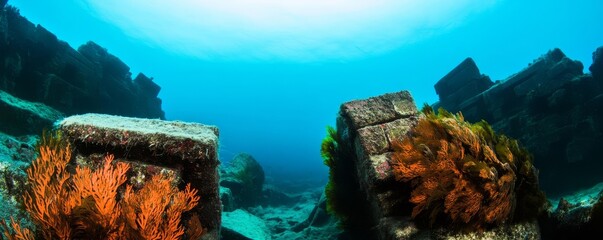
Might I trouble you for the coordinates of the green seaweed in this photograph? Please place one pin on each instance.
(328, 151)
(344, 201)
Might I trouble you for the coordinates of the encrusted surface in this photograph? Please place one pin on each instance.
(186, 150)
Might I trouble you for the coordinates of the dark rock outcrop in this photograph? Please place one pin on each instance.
(552, 108)
(38, 67)
(19, 117)
(244, 176)
(464, 81)
(596, 69)
(151, 146)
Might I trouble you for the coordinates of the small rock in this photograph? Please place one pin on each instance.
(245, 224)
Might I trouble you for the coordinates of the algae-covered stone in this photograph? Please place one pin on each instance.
(153, 146)
(21, 117)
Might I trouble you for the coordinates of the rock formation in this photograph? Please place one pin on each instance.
(551, 107)
(38, 67)
(20, 117)
(380, 208)
(187, 150)
(244, 176)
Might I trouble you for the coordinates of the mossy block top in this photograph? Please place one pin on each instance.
(380, 109)
(175, 138)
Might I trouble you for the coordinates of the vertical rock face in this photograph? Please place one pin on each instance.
(367, 127)
(553, 109)
(37, 66)
(186, 150)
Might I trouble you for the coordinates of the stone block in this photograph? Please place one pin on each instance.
(369, 127)
(152, 146)
(381, 109)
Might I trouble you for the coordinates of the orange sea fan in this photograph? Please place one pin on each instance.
(87, 205)
(463, 172)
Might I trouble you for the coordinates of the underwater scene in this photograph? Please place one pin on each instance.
(291, 119)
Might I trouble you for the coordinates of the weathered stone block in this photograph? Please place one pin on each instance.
(372, 140)
(382, 109)
(188, 150)
(369, 127)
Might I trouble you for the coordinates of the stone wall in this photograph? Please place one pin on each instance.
(36, 66)
(551, 107)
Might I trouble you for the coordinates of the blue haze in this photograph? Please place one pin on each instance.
(277, 109)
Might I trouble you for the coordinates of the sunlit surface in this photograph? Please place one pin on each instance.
(307, 30)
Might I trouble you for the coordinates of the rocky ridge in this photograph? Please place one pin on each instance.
(552, 107)
(39, 67)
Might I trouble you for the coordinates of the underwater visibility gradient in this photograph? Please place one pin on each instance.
(275, 103)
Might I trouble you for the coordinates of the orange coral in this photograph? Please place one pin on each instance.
(158, 201)
(462, 171)
(20, 233)
(86, 204)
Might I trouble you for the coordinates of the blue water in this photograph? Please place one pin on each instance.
(276, 105)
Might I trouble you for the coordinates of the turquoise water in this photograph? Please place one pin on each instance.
(272, 76)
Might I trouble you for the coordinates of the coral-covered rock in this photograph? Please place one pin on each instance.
(359, 190)
(15, 156)
(464, 175)
(363, 191)
(554, 110)
(244, 176)
(184, 150)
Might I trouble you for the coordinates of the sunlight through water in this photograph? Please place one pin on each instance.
(292, 30)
